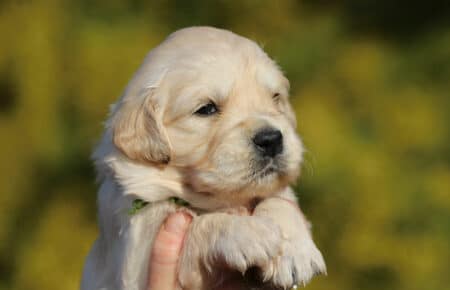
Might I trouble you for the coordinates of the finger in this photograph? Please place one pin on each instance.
(166, 250)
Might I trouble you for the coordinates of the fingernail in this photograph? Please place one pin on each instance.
(177, 222)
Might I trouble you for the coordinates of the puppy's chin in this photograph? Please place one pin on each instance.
(240, 191)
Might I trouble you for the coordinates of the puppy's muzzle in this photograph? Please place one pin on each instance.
(268, 142)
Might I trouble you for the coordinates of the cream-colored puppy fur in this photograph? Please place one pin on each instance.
(157, 145)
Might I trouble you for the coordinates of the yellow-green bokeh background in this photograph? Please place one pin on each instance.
(370, 85)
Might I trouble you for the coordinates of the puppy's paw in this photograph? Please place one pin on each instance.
(248, 241)
(299, 262)
(225, 241)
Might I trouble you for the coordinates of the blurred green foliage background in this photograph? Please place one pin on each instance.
(370, 85)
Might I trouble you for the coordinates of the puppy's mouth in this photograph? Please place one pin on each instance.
(267, 167)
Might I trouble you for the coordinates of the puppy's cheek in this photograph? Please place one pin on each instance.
(188, 151)
(190, 157)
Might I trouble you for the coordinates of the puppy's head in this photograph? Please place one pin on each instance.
(214, 106)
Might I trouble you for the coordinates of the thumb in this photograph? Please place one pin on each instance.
(166, 250)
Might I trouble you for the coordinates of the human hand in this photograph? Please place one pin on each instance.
(166, 251)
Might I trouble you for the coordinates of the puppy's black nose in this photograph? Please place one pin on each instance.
(269, 142)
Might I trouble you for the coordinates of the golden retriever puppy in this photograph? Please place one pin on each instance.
(205, 119)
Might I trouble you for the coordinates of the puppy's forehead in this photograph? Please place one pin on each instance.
(218, 58)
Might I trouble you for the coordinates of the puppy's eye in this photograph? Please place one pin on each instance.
(276, 97)
(206, 110)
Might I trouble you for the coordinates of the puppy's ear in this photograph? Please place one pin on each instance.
(138, 131)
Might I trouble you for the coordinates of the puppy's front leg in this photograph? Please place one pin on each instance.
(236, 242)
(300, 259)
